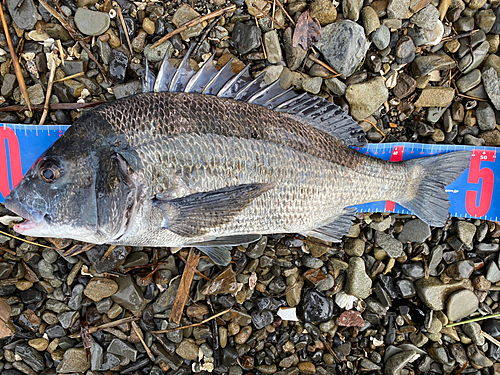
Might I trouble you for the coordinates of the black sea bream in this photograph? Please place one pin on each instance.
(210, 158)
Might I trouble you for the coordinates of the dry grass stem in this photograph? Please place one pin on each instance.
(124, 25)
(490, 338)
(61, 51)
(192, 325)
(76, 75)
(324, 65)
(286, 13)
(22, 239)
(139, 334)
(194, 22)
(53, 67)
(265, 14)
(473, 320)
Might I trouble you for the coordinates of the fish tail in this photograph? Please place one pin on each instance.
(427, 197)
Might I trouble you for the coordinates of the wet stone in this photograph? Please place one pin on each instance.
(491, 327)
(118, 66)
(100, 288)
(113, 261)
(30, 356)
(246, 37)
(24, 15)
(74, 360)
(91, 22)
(434, 293)
(316, 307)
(129, 295)
(122, 349)
(389, 244)
(262, 319)
(415, 231)
(357, 283)
(461, 304)
(184, 14)
(294, 55)
(406, 288)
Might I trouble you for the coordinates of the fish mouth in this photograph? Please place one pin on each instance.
(33, 218)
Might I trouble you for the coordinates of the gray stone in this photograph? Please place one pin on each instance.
(461, 304)
(398, 9)
(344, 46)
(415, 231)
(114, 260)
(67, 319)
(465, 231)
(246, 37)
(381, 37)
(129, 295)
(389, 244)
(357, 282)
(351, 9)
(354, 247)
(104, 50)
(273, 72)
(397, 362)
(122, 349)
(493, 272)
(421, 36)
(370, 20)
(485, 116)
(90, 22)
(127, 89)
(363, 105)
(74, 360)
(496, 26)
(492, 85)
(96, 356)
(426, 18)
(325, 284)
(473, 330)
(184, 14)
(469, 81)
(157, 54)
(24, 16)
(336, 86)
(256, 250)
(272, 46)
(294, 55)
(485, 19)
(477, 358)
(433, 292)
(311, 262)
(46, 270)
(312, 85)
(109, 361)
(188, 350)
(9, 84)
(468, 63)
(435, 258)
(167, 298)
(424, 65)
(466, 44)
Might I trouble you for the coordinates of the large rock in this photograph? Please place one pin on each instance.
(90, 22)
(433, 292)
(461, 304)
(24, 16)
(363, 105)
(344, 46)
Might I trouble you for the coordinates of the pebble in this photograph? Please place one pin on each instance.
(123, 349)
(316, 308)
(424, 65)
(465, 231)
(363, 105)
(74, 360)
(435, 97)
(370, 20)
(312, 85)
(9, 84)
(272, 46)
(398, 9)
(128, 295)
(91, 22)
(246, 37)
(461, 304)
(118, 66)
(99, 288)
(157, 54)
(184, 14)
(324, 11)
(434, 293)
(492, 86)
(24, 15)
(306, 368)
(343, 45)
(469, 63)
(357, 282)
(381, 37)
(389, 244)
(397, 362)
(188, 350)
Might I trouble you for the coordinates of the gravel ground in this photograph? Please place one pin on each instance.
(379, 302)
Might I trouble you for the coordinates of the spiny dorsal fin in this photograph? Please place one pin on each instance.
(317, 112)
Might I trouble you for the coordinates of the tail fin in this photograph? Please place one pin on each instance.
(429, 200)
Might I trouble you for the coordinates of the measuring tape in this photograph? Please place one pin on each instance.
(471, 195)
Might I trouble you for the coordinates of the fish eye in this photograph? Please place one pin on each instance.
(50, 170)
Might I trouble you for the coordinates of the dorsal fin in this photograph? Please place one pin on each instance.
(317, 112)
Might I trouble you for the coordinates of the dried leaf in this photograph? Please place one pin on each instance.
(224, 282)
(5, 310)
(29, 274)
(77, 249)
(307, 32)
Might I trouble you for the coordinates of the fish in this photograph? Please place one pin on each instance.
(213, 159)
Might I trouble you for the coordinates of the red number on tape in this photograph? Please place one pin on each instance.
(486, 175)
(7, 136)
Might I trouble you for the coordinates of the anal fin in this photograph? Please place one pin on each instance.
(219, 249)
(339, 227)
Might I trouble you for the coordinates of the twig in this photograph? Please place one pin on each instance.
(11, 252)
(194, 324)
(49, 88)
(139, 334)
(470, 33)
(490, 338)
(286, 13)
(107, 253)
(77, 249)
(76, 75)
(22, 239)
(115, 323)
(204, 35)
(75, 35)
(15, 61)
(184, 286)
(61, 51)
(274, 14)
(18, 107)
(324, 65)
(473, 320)
(193, 269)
(264, 13)
(124, 25)
(375, 126)
(193, 22)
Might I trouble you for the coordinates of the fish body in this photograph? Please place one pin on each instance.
(181, 168)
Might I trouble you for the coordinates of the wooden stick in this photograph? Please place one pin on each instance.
(193, 22)
(61, 51)
(265, 14)
(15, 61)
(490, 338)
(184, 286)
(70, 77)
(286, 13)
(107, 253)
(18, 107)
(192, 325)
(194, 269)
(139, 334)
(375, 126)
(324, 65)
(49, 89)
(22, 239)
(11, 252)
(115, 323)
(124, 25)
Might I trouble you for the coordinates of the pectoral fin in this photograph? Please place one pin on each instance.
(197, 214)
(338, 228)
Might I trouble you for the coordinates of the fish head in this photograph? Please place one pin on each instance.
(79, 188)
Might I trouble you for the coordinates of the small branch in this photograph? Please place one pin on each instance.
(192, 325)
(265, 14)
(124, 25)
(470, 33)
(139, 334)
(15, 61)
(193, 22)
(115, 323)
(49, 88)
(107, 253)
(193, 269)
(22, 239)
(324, 65)
(11, 252)
(77, 249)
(76, 75)
(61, 51)
(490, 338)
(474, 320)
(286, 13)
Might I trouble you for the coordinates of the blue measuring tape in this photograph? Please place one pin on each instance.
(471, 195)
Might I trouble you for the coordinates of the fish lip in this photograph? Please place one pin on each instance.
(32, 215)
